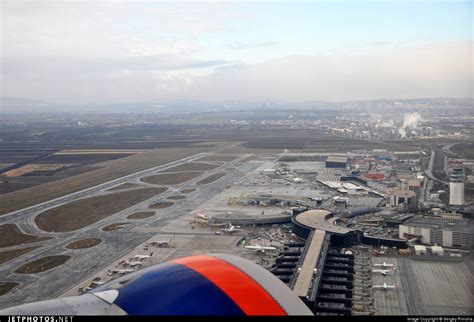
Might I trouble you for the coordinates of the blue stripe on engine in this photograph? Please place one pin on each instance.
(174, 290)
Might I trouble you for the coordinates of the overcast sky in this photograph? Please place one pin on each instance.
(148, 51)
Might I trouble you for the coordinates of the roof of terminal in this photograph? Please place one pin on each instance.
(334, 158)
(305, 275)
(320, 219)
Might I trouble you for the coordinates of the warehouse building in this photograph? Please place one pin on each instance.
(337, 162)
(437, 231)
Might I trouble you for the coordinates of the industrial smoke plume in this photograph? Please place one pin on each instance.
(411, 120)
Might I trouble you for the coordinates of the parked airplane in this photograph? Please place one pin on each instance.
(120, 271)
(134, 263)
(385, 287)
(97, 283)
(384, 264)
(151, 291)
(231, 229)
(259, 248)
(160, 243)
(141, 257)
(383, 271)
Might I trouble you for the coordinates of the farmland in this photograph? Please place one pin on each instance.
(36, 178)
(51, 167)
(35, 168)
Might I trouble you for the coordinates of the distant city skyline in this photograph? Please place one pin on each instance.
(116, 51)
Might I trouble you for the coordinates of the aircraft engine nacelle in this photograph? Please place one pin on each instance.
(218, 284)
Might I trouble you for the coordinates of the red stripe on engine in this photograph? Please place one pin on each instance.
(241, 288)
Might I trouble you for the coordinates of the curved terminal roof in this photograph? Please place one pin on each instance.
(320, 219)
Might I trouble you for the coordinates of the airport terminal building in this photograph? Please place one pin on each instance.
(322, 278)
(324, 220)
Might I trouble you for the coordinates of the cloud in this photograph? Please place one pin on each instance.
(103, 52)
(443, 70)
(438, 70)
(240, 46)
(108, 50)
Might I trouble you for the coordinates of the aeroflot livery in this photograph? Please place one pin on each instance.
(218, 284)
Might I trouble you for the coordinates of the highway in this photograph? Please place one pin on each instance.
(429, 171)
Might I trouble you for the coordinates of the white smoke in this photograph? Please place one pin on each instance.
(402, 133)
(411, 120)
